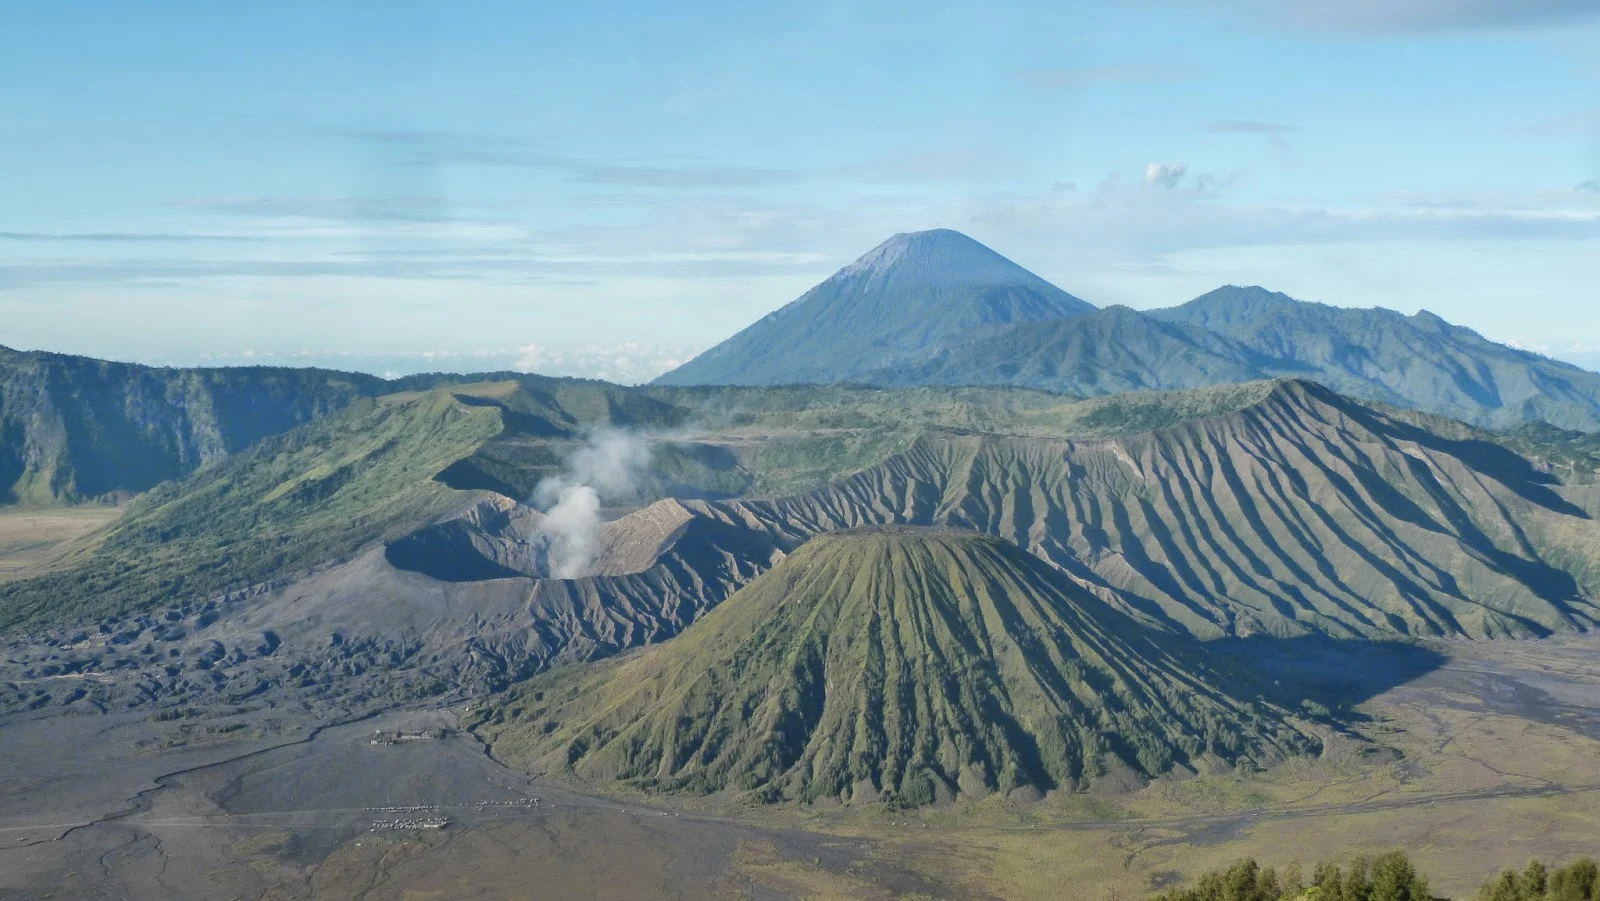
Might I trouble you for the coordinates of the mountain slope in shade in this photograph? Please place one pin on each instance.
(902, 665)
(1240, 334)
(1109, 351)
(910, 296)
(74, 428)
(1417, 361)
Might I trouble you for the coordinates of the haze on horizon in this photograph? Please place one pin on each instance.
(610, 188)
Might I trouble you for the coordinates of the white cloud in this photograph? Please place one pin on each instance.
(627, 363)
(1167, 175)
(1579, 353)
(691, 272)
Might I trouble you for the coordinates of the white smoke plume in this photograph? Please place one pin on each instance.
(608, 467)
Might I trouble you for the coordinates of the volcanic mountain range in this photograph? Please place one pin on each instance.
(814, 592)
(991, 322)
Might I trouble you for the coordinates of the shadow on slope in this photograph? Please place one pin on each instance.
(1491, 458)
(1319, 675)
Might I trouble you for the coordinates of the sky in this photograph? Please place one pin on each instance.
(606, 188)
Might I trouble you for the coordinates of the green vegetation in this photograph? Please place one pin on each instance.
(902, 666)
(74, 429)
(1419, 361)
(1574, 456)
(1107, 352)
(1268, 506)
(301, 499)
(791, 439)
(1239, 334)
(327, 490)
(1387, 877)
(1577, 881)
(728, 441)
(1277, 508)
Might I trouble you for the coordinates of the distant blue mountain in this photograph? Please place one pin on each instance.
(1106, 352)
(1418, 361)
(937, 308)
(912, 296)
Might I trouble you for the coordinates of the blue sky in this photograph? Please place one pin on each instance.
(602, 188)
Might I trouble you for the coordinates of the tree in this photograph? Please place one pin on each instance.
(1505, 888)
(1357, 885)
(1387, 877)
(1328, 882)
(1244, 881)
(1240, 882)
(1292, 886)
(1395, 879)
(1535, 879)
(1577, 881)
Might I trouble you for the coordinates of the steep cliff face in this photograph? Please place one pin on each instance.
(76, 429)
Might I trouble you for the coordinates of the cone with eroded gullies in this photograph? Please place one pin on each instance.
(910, 666)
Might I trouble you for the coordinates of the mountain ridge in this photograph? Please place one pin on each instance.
(1231, 334)
(1239, 334)
(1299, 511)
(1385, 355)
(79, 429)
(1276, 507)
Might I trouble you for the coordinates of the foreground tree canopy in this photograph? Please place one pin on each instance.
(1388, 877)
(1577, 881)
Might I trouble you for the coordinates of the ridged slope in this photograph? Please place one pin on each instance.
(906, 298)
(1269, 507)
(1304, 511)
(901, 665)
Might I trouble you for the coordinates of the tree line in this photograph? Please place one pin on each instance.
(1387, 877)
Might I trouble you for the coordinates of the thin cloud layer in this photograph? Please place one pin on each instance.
(1406, 16)
(627, 362)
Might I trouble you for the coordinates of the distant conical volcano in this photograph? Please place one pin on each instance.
(899, 664)
(913, 295)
